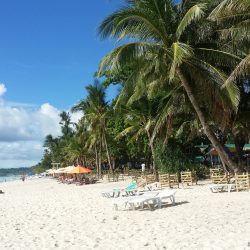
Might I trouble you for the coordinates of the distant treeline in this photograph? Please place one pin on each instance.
(15, 171)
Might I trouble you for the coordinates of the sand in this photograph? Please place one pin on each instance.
(43, 214)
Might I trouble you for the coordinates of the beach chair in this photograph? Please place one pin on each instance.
(220, 178)
(223, 187)
(188, 178)
(168, 180)
(242, 182)
(123, 201)
(153, 200)
(152, 186)
(150, 179)
(221, 181)
(116, 192)
(216, 171)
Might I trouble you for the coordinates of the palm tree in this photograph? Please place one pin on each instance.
(140, 119)
(233, 16)
(168, 49)
(234, 19)
(95, 108)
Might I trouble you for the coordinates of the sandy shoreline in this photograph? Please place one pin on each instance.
(42, 214)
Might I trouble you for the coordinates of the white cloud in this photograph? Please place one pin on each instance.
(22, 132)
(2, 89)
(24, 124)
(23, 128)
(75, 117)
(25, 151)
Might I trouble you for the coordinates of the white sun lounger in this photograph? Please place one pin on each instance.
(153, 200)
(124, 200)
(117, 192)
(216, 188)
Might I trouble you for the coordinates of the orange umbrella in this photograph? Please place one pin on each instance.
(80, 170)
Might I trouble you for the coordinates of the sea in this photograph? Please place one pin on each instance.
(9, 178)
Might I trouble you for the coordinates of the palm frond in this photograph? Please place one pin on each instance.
(126, 54)
(133, 22)
(218, 57)
(193, 14)
(231, 10)
(180, 52)
(242, 70)
(238, 33)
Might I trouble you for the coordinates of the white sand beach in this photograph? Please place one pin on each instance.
(43, 214)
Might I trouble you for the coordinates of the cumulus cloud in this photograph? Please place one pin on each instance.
(24, 124)
(75, 117)
(2, 89)
(25, 151)
(22, 132)
(23, 128)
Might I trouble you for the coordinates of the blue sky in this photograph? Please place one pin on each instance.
(49, 51)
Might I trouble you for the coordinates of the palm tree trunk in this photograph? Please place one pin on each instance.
(96, 161)
(100, 161)
(151, 144)
(208, 131)
(107, 150)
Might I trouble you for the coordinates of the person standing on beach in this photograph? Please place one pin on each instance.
(23, 178)
(143, 168)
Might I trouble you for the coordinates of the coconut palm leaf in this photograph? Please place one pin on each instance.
(193, 14)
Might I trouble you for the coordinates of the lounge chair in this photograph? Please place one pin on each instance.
(155, 200)
(216, 188)
(148, 198)
(124, 200)
(116, 192)
(132, 190)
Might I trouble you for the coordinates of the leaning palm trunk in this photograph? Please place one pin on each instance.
(208, 131)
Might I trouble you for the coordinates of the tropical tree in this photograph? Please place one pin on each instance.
(234, 19)
(140, 119)
(176, 45)
(95, 109)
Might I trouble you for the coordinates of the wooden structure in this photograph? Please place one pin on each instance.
(168, 180)
(242, 182)
(216, 171)
(188, 178)
(150, 179)
(218, 176)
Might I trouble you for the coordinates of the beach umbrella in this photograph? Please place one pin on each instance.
(59, 171)
(68, 169)
(80, 170)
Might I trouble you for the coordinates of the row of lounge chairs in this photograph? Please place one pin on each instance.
(140, 194)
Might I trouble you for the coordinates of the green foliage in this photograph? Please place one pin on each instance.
(175, 157)
(171, 158)
(162, 42)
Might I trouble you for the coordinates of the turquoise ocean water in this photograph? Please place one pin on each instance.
(9, 178)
